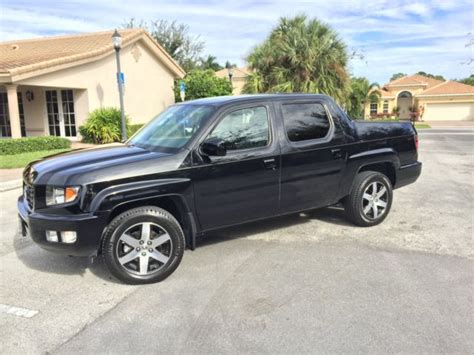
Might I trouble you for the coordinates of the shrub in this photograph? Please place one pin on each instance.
(203, 83)
(134, 128)
(10, 146)
(104, 125)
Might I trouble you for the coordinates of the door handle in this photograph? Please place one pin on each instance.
(336, 153)
(270, 164)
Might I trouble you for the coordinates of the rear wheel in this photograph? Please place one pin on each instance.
(143, 245)
(370, 199)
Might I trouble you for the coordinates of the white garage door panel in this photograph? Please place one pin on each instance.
(449, 112)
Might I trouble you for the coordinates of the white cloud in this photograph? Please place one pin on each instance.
(395, 35)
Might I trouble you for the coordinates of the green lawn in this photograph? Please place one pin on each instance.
(420, 125)
(20, 160)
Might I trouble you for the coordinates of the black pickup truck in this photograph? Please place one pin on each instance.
(207, 164)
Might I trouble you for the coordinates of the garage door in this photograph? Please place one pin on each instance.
(449, 112)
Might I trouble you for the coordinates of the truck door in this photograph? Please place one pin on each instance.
(243, 185)
(313, 155)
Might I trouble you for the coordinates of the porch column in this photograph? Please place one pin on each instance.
(13, 111)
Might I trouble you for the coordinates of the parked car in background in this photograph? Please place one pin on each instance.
(208, 164)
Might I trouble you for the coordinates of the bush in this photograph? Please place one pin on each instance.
(103, 125)
(134, 128)
(10, 146)
(203, 83)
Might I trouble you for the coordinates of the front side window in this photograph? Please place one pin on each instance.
(373, 108)
(305, 121)
(244, 129)
(173, 128)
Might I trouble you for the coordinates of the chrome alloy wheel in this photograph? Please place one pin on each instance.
(374, 200)
(144, 248)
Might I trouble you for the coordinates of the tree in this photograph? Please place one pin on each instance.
(229, 65)
(468, 81)
(437, 77)
(361, 92)
(174, 37)
(203, 83)
(300, 55)
(210, 63)
(397, 76)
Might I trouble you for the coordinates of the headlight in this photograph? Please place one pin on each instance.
(58, 195)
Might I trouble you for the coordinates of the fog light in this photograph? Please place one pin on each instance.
(68, 237)
(52, 236)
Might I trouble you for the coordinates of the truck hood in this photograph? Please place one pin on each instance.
(110, 162)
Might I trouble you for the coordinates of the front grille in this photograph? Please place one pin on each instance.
(29, 194)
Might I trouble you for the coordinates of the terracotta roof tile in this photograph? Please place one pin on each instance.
(23, 56)
(238, 72)
(449, 88)
(415, 79)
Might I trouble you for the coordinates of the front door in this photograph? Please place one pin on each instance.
(313, 156)
(243, 185)
(60, 112)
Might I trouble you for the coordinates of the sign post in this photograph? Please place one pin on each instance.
(182, 90)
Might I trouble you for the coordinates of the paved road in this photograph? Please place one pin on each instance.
(307, 283)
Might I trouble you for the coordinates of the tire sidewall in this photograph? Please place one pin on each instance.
(124, 221)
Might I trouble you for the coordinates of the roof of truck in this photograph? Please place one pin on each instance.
(221, 100)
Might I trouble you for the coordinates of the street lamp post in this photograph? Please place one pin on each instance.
(230, 72)
(117, 41)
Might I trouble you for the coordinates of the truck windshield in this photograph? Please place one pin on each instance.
(173, 128)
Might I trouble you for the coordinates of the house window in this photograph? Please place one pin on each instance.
(67, 99)
(385, 106)
(373, 108)
(52, 108)
(5, 130)
(21, 110)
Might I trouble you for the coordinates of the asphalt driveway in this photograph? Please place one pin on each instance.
(302, 283)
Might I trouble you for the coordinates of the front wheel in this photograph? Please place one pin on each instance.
(370, 199)
(143, 245)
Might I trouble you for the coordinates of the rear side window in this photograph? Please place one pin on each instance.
(305, 121)
(244, 129)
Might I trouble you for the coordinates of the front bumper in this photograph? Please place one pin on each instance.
(89, 228)
(408, 174)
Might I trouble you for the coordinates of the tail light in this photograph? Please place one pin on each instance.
(417, 141)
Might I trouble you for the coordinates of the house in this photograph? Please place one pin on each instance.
(49, 85)
(238, 76)
(433, 100)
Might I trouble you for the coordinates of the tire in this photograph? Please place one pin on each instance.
(143, 245)
(365, 208)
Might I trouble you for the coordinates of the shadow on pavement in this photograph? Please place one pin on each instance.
(44, 261)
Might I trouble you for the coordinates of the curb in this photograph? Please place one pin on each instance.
(10, 185)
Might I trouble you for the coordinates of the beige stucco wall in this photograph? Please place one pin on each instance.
(238, 85)
(148, 84)
(391, 104)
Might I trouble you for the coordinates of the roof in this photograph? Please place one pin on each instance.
(449, 88)
(384, 93)
(25, 57)
(415, 79)
(222, 100)
(237, 72)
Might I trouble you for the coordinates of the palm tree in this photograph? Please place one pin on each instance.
(300, 55)
(362, 91)
(210, 62)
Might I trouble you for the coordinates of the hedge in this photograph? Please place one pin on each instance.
(133, 128)
(10, 146)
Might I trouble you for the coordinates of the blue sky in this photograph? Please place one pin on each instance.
(393, 35)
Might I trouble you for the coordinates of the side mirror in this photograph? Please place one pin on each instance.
(214, 147)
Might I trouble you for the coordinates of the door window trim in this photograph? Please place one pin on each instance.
(309, 142)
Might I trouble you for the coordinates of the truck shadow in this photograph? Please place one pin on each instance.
(41, 260)
(332, 215)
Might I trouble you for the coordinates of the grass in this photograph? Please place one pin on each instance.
(20, 160)
(420, 125)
